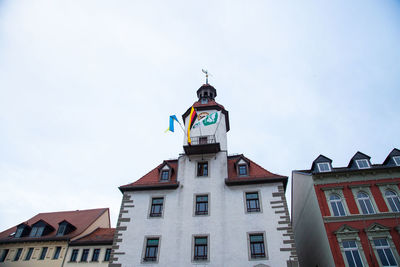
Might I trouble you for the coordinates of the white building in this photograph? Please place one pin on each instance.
(205, 208)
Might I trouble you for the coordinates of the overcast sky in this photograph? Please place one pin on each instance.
(86, 89)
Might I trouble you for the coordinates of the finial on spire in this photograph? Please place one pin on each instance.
(206, 73)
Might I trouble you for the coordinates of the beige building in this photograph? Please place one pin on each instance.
(91, 250)
(44, 239)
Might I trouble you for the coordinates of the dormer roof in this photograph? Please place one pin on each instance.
(320, 159)
(151, 180)
(357, 156)
(389, 159)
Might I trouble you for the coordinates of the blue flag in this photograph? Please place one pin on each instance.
(172, 118)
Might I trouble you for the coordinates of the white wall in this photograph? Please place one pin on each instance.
(309, 231)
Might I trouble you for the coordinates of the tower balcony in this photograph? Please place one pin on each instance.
(205, 144)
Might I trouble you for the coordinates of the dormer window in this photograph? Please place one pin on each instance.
(242, 169)
(164, 175)
(362, 163)
(61, 229)
(396, 160)
(324, 167)
(36, 231)
(19, 232)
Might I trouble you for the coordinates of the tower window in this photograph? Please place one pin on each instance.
(257, 247)
(151, 252)
(200, 248)
(204, 100)
(202, 205)
(203, 140)
(252, 202)
(202, 169)
(156, 207)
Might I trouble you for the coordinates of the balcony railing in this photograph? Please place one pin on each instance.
(204, 144)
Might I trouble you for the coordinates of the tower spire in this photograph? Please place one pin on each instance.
(206, 73)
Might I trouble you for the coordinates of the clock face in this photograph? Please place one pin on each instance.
(202, 115)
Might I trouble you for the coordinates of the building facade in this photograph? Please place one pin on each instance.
(44, 239)
(348, 216)
(205, 207)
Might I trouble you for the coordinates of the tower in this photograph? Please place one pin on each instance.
(205, 207)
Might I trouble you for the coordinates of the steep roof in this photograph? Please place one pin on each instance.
(151, 180)
(99, 236)
(80, 219)
(257, 174)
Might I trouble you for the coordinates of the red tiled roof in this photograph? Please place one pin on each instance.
(255, 170)
(152, 178)
(80, 219)
(98, 236)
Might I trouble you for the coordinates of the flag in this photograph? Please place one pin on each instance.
(172, 118)
(210, 119)
(192, 118)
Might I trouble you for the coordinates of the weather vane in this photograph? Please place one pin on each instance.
(206, 73)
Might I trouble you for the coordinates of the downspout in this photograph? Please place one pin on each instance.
(66, 253)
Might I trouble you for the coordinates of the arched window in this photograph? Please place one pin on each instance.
(365, 203)
(393, 200)
(336, 205)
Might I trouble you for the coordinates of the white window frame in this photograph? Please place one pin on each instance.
(396, 160)
(339, 192)
(362, 160)
(356, 248)
(336, 203)
(366, 189)
(389, 187)
(382, 232)
(376, 248)
(346, 235)
(324, 164)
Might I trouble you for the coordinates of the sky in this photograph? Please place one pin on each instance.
(87, 87)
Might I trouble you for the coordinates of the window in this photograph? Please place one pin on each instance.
(365, 203)
(337, 205)
(362, 163)
(252, 202)
(201, 205)
(4, 255)
(164, 175)
(204, 100)
(57, 253)
(324, 167)
(96, 253)
(19, 232)
(242, 169)
(200, 248)
(385, 253)
(107, 255)
(74, 255)
(156, 207)
(396, 160)
(18, 254)
(43, 253)
(203, 140)
(151, 249)
(61, 230)
(393, 200)
(352, 254)
(202, 169)
(257, 248)
(37, 231)
(85, 255)
(29, 254)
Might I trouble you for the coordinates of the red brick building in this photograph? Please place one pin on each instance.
(348, 216)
